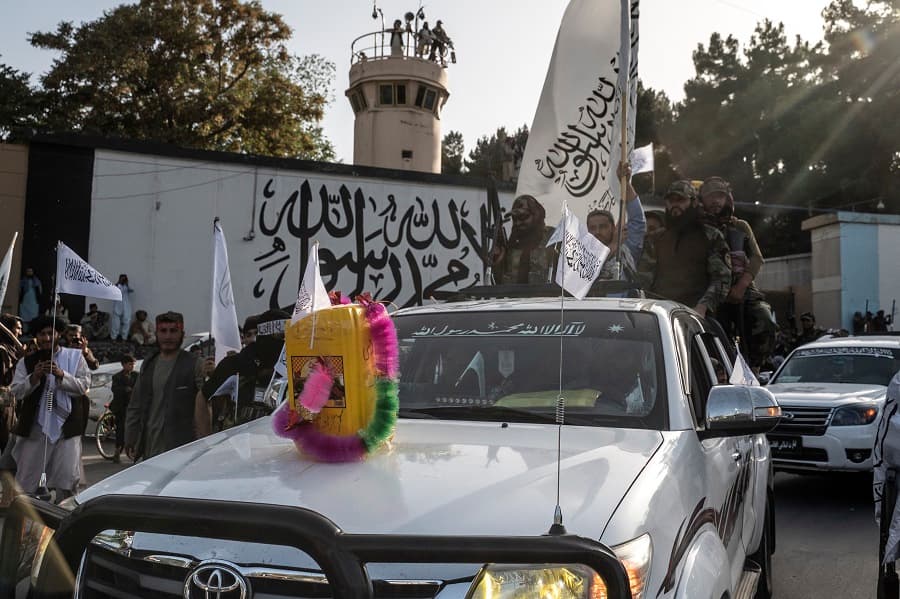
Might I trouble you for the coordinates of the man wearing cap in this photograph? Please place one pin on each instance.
(161, 413)
(252, 367)
(744, 313)
(809, 332)
(58, 376)
(688, 261)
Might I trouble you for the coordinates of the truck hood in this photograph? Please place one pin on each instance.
(825, 394)
(436, 477)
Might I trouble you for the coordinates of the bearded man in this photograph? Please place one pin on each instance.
(525, 258)
(688, 261)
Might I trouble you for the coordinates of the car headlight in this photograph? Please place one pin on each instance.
(547, 581)
(100, 380)
(44, 537)
(854, 415)
(635, 555)
(563, 581)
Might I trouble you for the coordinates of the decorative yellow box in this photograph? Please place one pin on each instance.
(342, 339)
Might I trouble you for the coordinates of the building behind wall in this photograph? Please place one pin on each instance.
(854, 264)
(13, 177)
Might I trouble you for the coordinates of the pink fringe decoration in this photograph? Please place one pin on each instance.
(328, 448)
(282, 421)
(317, 445)
(384, 339)
(317, 388)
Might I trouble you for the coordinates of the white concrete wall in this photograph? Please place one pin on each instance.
(151, 217)
(888, 267)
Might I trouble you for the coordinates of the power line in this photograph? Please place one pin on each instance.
(163, 191)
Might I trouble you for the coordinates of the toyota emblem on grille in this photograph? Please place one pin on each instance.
(216, 580)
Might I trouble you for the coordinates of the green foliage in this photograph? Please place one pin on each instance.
(488, 156)
(19, 103)
(212, 74)
(794, 127)
(452, 152)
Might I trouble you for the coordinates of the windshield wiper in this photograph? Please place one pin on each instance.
(490, 413)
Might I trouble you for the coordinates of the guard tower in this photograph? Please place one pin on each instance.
(398, 87)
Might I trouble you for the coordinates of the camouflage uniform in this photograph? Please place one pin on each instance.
(689, 264)
(541, 261)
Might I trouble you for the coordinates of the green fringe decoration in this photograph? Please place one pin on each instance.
(387, 404)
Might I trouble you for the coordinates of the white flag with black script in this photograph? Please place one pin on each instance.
(581, 255)
(75, 276)
(574, 145)
(742, 374)
(312, 295)
(6, 268)
(224, 328)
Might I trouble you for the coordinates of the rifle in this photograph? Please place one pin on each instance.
(888, 582)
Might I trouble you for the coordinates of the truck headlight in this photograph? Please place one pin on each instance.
(41, 539)
(635, 555)
(563, 581)
(547, 581)
(44, 535)
(854, 415)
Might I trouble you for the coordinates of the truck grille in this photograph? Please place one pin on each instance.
(107, 574)
(796, 420)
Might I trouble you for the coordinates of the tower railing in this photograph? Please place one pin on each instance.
(376, 45)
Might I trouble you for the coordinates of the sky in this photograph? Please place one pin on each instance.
(503, 47)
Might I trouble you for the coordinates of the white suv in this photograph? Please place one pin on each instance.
(654, 461)
(831, 392)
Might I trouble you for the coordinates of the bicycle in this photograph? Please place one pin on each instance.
(106, 434)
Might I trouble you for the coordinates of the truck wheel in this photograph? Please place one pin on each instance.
(763, 557)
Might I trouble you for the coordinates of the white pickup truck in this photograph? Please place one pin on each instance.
(654, 461)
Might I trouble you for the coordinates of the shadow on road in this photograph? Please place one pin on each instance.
(826, 535)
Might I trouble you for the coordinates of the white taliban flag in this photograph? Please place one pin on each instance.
(574, 145)
(224, 328)
(6, 268)
(581, 256)
(312, 295)
(742, 374)
(75, 276)
(642, 160)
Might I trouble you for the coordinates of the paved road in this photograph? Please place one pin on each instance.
(826, 535)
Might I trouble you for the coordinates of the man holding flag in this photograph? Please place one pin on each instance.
(49, 385)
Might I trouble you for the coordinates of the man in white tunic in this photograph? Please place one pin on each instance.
(50, 387)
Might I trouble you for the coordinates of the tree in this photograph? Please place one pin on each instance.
(211, 74)
(452, 151)
(489, 155)
(19, 104)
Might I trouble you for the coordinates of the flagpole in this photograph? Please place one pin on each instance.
(623, 179)
(624, 71)
(557, 528)
(42, 490)
(312, 333)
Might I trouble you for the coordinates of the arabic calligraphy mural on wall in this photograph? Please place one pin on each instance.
(403, 240)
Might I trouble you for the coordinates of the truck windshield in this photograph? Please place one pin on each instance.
(858, 365)
(504, 366)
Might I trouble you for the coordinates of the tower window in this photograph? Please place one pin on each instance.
(386, 94)
(430, 97)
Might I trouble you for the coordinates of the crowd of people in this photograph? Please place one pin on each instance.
(179, 395)
(431, 42)
(697, 253)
